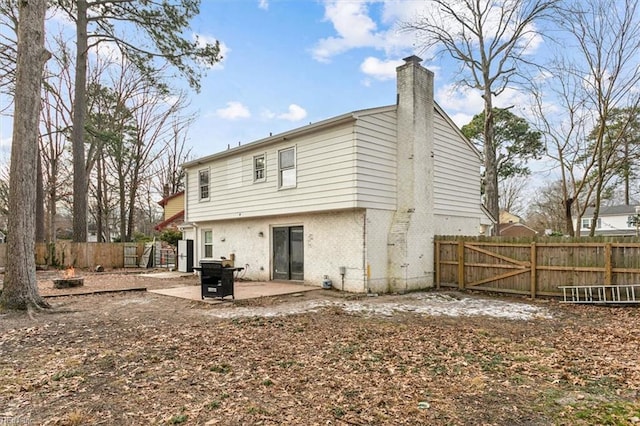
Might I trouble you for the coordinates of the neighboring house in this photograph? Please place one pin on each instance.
(173, 208)
(507, 217)
(612, 221)
(512, 225)
(517, 229)
(357, 198)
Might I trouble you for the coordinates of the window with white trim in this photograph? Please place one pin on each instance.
(587, 221)
(259, 168)
(207, 239)
(287, 168)
(203, 183)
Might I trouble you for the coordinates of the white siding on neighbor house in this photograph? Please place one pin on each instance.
(376, 160)
(616, 224)
(456, 183)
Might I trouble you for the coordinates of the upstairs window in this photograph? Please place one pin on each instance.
(203, 180)
(259, 168)
(287, 167)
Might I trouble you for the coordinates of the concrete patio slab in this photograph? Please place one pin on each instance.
(166, 275)
(242, 290)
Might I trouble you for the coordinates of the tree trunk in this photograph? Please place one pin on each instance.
(40, 216)
(133, 195)
(20, 286)
(490, 166)
(52, 198)
(77, 135)
(99, 198)
(568, 217)
(123, 209)
(627, 170)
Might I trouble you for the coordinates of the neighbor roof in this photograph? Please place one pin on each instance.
(621, 209)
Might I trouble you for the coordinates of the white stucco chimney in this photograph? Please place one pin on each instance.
(410, 238)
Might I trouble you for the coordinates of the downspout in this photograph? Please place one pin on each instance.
(196, 244)
(365, 267)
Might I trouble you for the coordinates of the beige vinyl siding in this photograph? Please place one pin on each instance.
(324, 179)
(174, 206)
(376, 160)
(456, 172)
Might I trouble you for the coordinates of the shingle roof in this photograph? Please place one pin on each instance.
(622, 209)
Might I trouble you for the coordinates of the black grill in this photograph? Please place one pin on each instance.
(216, 280)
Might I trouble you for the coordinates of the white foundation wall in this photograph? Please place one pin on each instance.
(331, 240)
(378, 223)
(456, 225)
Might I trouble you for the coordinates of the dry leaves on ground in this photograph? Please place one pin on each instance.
(141, 358)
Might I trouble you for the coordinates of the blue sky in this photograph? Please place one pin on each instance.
(287, 63)
(290, 62)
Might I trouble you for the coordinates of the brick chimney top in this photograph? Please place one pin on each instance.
(412, 58)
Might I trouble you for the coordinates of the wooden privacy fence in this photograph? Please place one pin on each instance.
(83, 255)
(534, 268)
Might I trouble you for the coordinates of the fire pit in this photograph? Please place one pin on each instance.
(68, 279)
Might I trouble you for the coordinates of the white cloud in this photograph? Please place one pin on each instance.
(202, 40)
(403, 11)
(295, 113)
(462, 103)
(263, 4)
(355, 28)
(380, 70)
(233, 111)
(108, 51)
(461, 119)
(459, 99)
(268, 114)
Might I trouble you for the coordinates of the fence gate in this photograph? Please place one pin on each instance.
(130, 255)
(579, 271)
(486, 266)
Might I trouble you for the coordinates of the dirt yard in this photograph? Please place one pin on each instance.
(316, 358)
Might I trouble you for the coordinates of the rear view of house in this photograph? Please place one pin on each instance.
(356, 198)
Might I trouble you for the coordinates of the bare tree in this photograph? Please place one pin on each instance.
(168, 170)
(490, 39)
(8, 30)
(512, 194)
(128, 123)
(583, 91)
(162, 26)
(546, 210)
(155, 117)
(56, 124)
(626, 122)
(20, 286)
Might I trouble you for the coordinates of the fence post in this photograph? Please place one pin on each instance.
(534, 267)
(608, 265)
(461, 264)
(437, 265)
